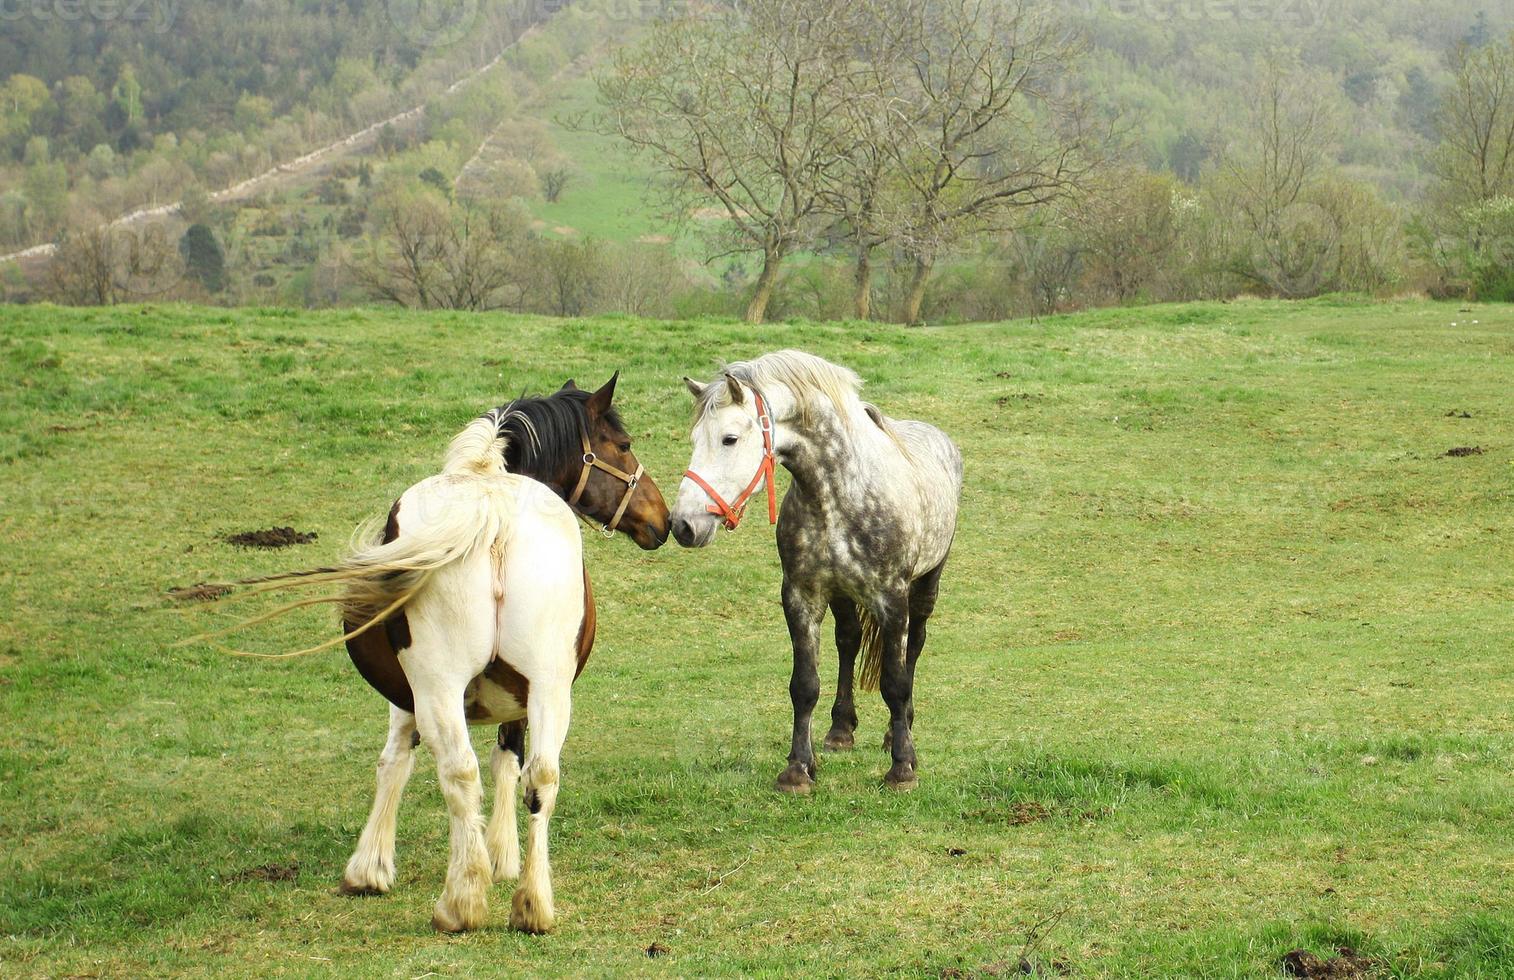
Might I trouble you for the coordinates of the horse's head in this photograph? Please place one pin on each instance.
(732, 456)
(611, 487)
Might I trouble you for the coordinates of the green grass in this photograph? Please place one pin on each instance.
(1221, 665)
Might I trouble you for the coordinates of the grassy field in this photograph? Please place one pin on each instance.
(1221, 666)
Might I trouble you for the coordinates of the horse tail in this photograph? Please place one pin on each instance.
(447, 518)
(480, 448)
(871, 651)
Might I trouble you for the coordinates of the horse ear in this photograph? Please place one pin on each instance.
(568, 386)
(737, 396)
(599, 402)
(695, 388)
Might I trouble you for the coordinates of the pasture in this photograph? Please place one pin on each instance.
(1221, 667)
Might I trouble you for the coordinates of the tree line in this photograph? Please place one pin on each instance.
(907, 123)
(899, 159)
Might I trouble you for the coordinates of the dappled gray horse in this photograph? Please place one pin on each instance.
(864, 529)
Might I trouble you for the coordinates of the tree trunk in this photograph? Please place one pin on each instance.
(916, 296)
(757, 309)
(862, 299)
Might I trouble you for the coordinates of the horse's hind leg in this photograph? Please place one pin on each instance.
(464, 901)
(370, 871)
(503, 836)
(848, 640)
(547, 711)
(897, 687)
(922, 602)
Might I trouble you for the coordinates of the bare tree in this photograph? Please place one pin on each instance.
(1475, 159)
(1270, 174)
(994, 124)
(570, 273)
(863, 196)
(436, 255)
(1128, 231)
(743, 107)
(99, 264)
(553, 180)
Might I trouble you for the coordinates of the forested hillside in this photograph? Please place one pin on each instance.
(1185, 72)
(106, 113)
(509, 192)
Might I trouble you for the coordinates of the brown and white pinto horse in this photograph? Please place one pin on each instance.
(575, 443)
(474, 608)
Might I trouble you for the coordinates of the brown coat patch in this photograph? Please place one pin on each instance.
(586, 628)
(503, 676)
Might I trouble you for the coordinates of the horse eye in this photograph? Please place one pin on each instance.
(728, 441)
(625, 447)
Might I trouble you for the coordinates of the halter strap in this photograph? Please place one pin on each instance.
(730, 513)
(592, 462)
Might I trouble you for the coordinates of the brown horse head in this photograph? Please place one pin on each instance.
(546, 442)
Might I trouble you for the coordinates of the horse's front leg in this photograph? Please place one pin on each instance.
(848, 640)
(803, 611)
(898, 689)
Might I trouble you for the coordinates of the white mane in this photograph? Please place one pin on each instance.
(812, 380)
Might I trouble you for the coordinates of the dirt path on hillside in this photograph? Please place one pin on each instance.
(295, 169)
(485, 156)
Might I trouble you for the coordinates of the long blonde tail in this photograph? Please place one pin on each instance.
(871, 650)
(446, 519)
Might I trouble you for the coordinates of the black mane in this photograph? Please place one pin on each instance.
(558, 421)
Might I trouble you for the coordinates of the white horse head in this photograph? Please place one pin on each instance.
(732, 446)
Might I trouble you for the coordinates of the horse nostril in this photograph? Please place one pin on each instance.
(682, 532)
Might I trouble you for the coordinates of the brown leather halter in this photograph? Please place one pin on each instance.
(730, 514)
(592, 462)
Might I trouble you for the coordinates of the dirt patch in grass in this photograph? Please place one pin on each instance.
(268, 872)
(1344, 965)
(657, 949)
(1016, 814)
(273, 537)
(1458, 414)
(1455, 451)
(200, 592)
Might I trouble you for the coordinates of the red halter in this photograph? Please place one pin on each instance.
(730, 514)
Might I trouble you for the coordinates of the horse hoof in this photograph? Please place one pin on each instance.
(529, 915)
(445, 922)
(901, 779)
(837, 740)
(795, 779)
(356, 890)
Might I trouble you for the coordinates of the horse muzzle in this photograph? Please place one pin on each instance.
(690, 535)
